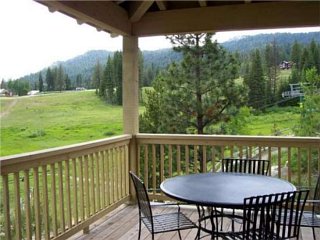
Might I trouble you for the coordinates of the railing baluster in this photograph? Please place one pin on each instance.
(213, 160)
(161, 163)
(61, 197)
(170, 160)
(154, 169)
(82, 190)
(75, 191)
(204, 159)
(289, 164)
(240, 152)
(86, 186)
(279, 162)
(111, 176)
(98, 183)
(68, 193)
(195, 158)
(299, 166)
(92, 184)
(37, 204)
(270, 158)
(107, 156)
(6, 206)
(103, 179)
(127, 168)
(178, 160)
(45, 202)
(53, 200)
(139, 160)
(309, 156)
(187, 158)
(17, 209)
(27, 204)
(146, 167)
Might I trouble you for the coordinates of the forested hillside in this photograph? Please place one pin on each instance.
(79, 71)
(248, 43)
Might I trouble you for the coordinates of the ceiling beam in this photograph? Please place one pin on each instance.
(260, 15)
(202, 3)
(105, 15)
(162, 5)
(137, 9)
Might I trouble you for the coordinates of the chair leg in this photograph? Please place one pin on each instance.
(314, 233)
(179, 234)
(139, 228)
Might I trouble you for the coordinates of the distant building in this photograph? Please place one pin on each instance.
(286, 65)
(33, 92)
(5, 93)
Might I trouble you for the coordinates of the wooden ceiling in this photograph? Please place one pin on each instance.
(152, 18)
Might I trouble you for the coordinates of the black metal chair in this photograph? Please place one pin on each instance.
(312, 218)
(242, 165)
(261, 217)
(167, 222)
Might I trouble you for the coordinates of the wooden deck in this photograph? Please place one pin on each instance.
(122, 224)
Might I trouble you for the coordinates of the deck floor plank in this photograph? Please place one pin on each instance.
(123, 224)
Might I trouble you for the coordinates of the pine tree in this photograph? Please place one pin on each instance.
(295, 56)
(60, 78)
(117, 76)
(97, 76)
(256, 82)
(67, 82)
(108, 81)
(50, 80)
(40, 83)
(195, 93)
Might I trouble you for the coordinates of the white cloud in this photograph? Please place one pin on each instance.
(33, 38)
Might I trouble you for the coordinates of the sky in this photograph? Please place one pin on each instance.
(32, 38)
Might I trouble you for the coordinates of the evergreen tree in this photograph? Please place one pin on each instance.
(256, 82)
(41, 89)
(108, 80)
(314, 55)
(50, 80)
(295, 57)
(60, 78)
(79, 80)
(271, 63)
(117, 76)
(193, 94)
(67, 82)
(3, 84)
(97, 76)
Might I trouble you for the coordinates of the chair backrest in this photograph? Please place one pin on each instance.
(254, 166)
(275, 216)
(316, 206)
(143, 198)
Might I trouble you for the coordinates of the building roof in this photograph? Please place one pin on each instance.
(152, 18)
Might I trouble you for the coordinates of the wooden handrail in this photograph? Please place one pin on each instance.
(57, 192)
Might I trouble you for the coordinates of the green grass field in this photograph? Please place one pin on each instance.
(46, 121)
(59, 119)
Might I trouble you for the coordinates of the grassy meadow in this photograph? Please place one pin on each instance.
(59, 119)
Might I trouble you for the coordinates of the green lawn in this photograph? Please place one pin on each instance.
(282, 120)
(45, 121)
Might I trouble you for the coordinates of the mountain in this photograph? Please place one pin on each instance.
(248, 43)
(84, 64)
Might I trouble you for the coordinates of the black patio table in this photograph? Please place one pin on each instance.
(225, 190)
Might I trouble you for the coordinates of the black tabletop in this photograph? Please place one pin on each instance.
(222, 189)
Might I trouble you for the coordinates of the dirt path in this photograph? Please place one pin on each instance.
(11, 105)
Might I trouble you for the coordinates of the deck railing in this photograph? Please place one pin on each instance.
(55, 193)
(296, 159)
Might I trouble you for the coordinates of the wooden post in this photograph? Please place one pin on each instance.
(130, 75)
